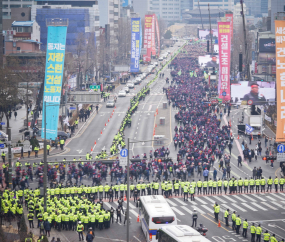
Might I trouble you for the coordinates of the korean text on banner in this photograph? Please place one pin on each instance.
(135, 51)
(158, 36)
(280, 78)
(224, 36)
(53, 78)
(229, 17)
(147, 43)
(153, 49)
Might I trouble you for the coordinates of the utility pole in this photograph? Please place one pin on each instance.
(245, 43)
(200, 15)
(1, 35)
(210, 29)
(45, 157)
(128, 192)
(27, 102)
(10, 157)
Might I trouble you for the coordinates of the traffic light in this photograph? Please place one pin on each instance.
(240, 63)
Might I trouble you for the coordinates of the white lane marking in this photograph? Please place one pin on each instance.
(227, 207)
(227, 197)
(211, 200)
(171, 203)
(239, 198)
(137, 238)
(260, 207)
(134, 213)
(275, 195)
(251, 208)
(271, 198)
(200, 200)
(131, 205)
(281, 193)
(177, 211)
(219, 199)
(207, 208)
(241, 209)
(258, 197)
(186, 209)
(277, 204)
(183, 203)
(266, 204)
(199, 210)
(248, 197)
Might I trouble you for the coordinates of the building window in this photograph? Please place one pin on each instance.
(5, 13)
(26, 0)
(15, 6)
(19, 48)
(115, 21)
(97, 18)
(5, 6)
(111, 12)
(27, 6)
(116, 6)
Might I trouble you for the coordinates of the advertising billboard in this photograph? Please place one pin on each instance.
(135, 45)
(224, 60)
(253, 93)
(55, 54)
(267, 58)
(205, 34)
(280, 79)
(208, 61)
(267, 45)
(147, 42)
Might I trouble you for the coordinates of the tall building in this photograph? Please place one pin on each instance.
(10, 4)
(169, 10)
(237, 14)
(214, 4)
(142, 7)
(254, 7)
(186, 4)
(83, 20)
(109, 15)
(264, 6)
(276, 6)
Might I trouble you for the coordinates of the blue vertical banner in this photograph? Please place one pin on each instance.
(53, 78)
(125, 3)
(135, 46)
(140, 36)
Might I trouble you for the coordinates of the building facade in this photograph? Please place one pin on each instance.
(142, 7)
(81, 20)
(214, 4)
(186, 4)
(276, 6)
(169, 10)
(11, 4)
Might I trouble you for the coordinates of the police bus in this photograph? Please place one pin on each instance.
(179, 233)
(155, 212)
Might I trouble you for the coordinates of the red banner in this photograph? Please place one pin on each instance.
(230, 18)
(153, 49)
(147, 43)
(224, 36)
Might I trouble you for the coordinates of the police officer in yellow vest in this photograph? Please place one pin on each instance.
(266, 236)
(252, 232)
(61, 142)
(216, 211)
(48, 148)
(238, 224)
(3, 155)
(226, 216)
(80, 229)
(244, 230)
(258, 233)
(36, 149)
(101, 220)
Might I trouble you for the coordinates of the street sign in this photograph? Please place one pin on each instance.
(280, 156)
(72, 108)
(2, 123)
(123, 157)
(281, 148)
(249, 102)
(224, 94)
(95, 87)
(2, 146)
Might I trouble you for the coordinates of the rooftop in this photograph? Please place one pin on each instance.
(23, 23)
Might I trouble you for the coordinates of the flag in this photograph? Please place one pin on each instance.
(179, 73)
(206, 75)
(191, 73)
(195, 74)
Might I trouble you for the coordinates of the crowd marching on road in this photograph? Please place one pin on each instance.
(200, 140)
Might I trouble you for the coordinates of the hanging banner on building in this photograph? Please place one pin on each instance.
(147, 43)
(53, 78)
(153, 49)
(230, 18)
(158, 36)
(135, 51)
(280, 78)
(224, 35)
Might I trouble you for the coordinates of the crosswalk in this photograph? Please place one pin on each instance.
(204, 204)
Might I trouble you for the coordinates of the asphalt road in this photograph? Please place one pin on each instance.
(267, 209)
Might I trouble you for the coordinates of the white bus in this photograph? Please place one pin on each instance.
(179, 233)
(155, 212)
